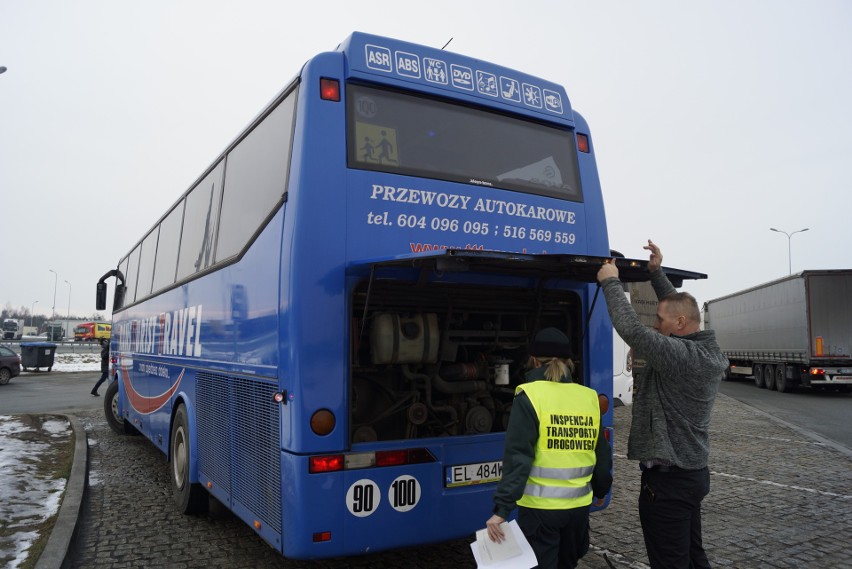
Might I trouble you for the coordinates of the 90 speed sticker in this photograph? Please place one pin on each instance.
(364, 496)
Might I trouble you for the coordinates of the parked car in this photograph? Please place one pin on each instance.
(10, 364)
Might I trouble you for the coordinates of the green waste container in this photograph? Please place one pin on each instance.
(37, 355)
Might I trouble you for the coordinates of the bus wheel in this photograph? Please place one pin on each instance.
(190, 498)
(116, 421)
(757, 371)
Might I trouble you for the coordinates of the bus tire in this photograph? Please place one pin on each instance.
(190, 498)
(115, 421)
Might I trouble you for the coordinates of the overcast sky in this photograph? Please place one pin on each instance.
(712, 120)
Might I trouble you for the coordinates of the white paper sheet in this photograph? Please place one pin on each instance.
(513, 553)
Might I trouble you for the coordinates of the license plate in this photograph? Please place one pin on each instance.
(470, 474)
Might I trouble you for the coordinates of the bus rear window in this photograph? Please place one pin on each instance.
(393, 132)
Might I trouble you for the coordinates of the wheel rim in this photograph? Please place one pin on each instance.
(5, 376)
(180, 457)
(114, 407)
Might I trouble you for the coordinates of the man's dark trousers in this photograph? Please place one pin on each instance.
(670, 512)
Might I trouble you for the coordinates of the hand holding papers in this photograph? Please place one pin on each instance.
(512, 553)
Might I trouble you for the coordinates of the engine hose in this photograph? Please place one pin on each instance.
(428, 380)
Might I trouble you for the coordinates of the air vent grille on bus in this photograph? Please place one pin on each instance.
(244, 409)
(212, 421)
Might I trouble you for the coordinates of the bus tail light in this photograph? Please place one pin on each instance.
(359, 460)
(327, 463)
(322, 422)
(603, 401)
(321, 536)
(329, 89)
(583, 143)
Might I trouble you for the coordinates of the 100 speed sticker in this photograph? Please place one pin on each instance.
(364, 496)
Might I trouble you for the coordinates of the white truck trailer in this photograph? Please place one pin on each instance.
(789, 332)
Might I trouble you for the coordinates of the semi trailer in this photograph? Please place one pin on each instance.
(790, 332)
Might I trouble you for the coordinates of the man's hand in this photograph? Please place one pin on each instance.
(656, 259)
(599, 502)
(607, 271)
(495, 532)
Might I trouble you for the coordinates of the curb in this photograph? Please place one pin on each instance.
(59, 542)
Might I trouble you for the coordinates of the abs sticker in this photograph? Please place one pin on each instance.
(404, 493)
(363, 498)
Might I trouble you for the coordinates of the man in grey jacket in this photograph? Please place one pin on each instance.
(669, 433)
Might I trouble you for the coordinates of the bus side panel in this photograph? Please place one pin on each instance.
(598, 236)
(599, 346)
(313, 322)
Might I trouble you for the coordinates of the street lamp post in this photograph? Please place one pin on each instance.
(32, 312)
(789, 250)
(68, 315)
(55, 281)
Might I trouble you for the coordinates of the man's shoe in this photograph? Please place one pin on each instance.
(95, 393)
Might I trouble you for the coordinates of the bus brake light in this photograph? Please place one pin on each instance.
(583, 143)
(321, 536)
(391, 457)
(329, 89)
(327, 463)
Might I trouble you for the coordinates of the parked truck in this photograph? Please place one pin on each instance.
(13, 329)
(789, 332)
(92, 332)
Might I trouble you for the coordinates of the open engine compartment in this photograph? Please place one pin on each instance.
(445, 359)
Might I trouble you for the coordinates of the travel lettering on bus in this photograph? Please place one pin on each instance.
(176, 333)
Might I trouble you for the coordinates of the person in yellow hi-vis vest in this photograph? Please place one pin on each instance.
(555, 459)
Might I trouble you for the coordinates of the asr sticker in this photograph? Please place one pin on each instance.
(404, 493)
(363, 498)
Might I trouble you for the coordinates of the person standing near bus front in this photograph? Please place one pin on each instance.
(669, 433)
(104, 365)
(555, 457)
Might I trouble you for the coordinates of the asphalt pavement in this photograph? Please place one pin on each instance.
(779, 498)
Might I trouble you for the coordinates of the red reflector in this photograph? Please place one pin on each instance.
(322, 536)
(391, 457)
(582, 143)
(608, 435)
(329, 89)
(329, 463)
(419, 456)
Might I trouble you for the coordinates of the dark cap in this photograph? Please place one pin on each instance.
(552, 343)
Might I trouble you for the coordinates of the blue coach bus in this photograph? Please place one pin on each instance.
(326, 330)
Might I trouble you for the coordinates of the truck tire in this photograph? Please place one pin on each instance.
(757, 371)
(769, 376)
(782, 384)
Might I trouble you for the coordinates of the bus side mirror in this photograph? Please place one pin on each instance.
(100, 296)
(118, 301)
